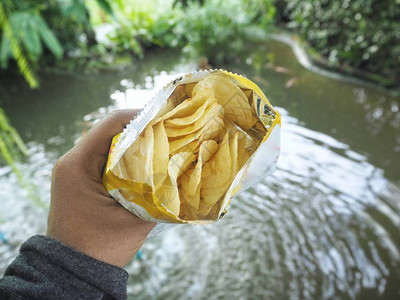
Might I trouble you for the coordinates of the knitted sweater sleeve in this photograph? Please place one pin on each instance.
(49, 269)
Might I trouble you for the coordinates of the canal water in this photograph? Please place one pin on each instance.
(325, 225)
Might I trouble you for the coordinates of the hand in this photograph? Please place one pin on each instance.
(82, 213)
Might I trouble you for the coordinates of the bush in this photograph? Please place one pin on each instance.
(140, 25)
(364, 34)
(216, 30)
(36, 33)
(221, 30)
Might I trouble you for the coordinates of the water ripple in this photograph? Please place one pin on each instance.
(323, 226)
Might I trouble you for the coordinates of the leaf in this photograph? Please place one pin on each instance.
(31, 40)
(17, 21)
(76, 10)
(49, 37)
(105, 5)
(52, 43)
(15, 49)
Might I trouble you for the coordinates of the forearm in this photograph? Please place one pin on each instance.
(48, 269)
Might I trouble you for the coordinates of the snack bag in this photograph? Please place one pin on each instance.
(200, 140)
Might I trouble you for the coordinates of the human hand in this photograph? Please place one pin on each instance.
(82, 213)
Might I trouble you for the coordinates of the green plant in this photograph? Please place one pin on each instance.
(360, 33)
(27, 28)
(32, 31)
(10, 44)
(217, 30)
(131, 33)
(221, 31)
(12, 148)
(38, 33)
(185, 3)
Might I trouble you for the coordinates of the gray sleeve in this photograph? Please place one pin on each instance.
(49, 269)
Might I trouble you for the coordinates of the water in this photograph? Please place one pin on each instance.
(325, 225)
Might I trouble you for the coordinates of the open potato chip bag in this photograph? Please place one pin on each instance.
(200, 140)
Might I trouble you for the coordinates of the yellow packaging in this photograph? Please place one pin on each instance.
(139, 197)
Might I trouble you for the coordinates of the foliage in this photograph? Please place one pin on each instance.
(222, 30)
(216, 30)
(185, 3)
(29, 31)
(37, 33)
(10, 44)
(137, 23)
(361, 33)
(11, 150)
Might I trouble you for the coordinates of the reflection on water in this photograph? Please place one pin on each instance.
(19, 219)
(325, 225)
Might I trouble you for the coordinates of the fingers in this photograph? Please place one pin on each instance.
(97, 141)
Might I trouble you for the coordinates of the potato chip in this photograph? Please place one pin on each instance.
(207, 150)
(191, 182)
(214, 110)
(219, 174)
(186, 121)
(161, 154)
(243, 153)
(186, 108)
(187, 212)
(168, 196)
(147, 151)
(136, 162)
(191, 147)
(215, 181)
(231, 97)
(120, 170)
(233, 148)
(211, 130)
(209, 212)
(179, 163)
(176, 145)
(246, 144)
(176, 166)
(204, 210)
